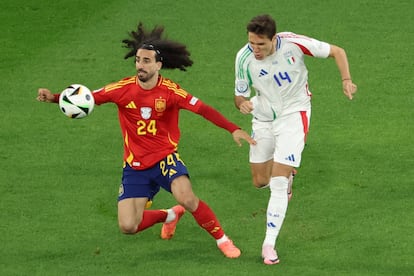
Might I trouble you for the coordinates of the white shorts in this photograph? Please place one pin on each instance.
(282, 140)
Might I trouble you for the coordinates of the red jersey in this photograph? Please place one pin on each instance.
(149, 118)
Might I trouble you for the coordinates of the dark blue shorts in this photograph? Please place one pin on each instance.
(147, 183)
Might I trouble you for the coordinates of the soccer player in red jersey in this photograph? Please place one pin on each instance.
(148, 109)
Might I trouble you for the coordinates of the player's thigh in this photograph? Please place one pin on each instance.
(134, 192)
(290, 140)
(261, 154)
(263, 150)
(174, 178)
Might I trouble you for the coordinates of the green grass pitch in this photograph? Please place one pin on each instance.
(352, 211)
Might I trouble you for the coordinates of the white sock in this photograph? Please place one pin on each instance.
(170, 215)
(222, 239)
(276, 208)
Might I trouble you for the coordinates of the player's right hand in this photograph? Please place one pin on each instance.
(246, 107)
(349, 88)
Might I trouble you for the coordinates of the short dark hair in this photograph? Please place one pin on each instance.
(262, 25)
(172, 54)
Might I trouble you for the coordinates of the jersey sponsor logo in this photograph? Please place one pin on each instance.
(242, 86)
(193, 100)
(146, 112)
(131, 105)
(160, 105)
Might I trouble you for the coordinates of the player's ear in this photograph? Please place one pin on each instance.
(159, 65)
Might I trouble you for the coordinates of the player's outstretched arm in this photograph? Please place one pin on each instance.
(44, 95)
(239, 134)
(219, 120)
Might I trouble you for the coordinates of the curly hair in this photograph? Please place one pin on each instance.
(172, 54)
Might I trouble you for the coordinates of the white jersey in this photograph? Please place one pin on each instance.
(279, 80)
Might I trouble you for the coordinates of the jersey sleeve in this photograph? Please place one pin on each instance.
(100, 96)
(195, 105)
(242, 78)
(216, 118)
(308, 45)
(112, 92)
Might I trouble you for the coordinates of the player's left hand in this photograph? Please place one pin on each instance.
(241, 134)
(349, 88)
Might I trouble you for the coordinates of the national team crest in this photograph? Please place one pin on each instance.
(290, 58)
(146, 112)
(160, 105)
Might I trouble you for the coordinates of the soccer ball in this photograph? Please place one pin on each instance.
(76, 101)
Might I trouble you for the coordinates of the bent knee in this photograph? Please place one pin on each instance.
(261, 185)
(190, 203)
(128, 227)
(260, 182)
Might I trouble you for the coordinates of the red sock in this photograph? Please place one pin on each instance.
(151, 217)
(206, 218)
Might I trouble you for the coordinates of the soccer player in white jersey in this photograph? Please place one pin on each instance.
(272, 65)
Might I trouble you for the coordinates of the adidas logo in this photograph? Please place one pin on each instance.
(271, 225)
(290, 158)
(172, 172)
(263, 73)
(131, 105)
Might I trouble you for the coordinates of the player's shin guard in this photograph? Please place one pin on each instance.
(276, 209)
(206, 218)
